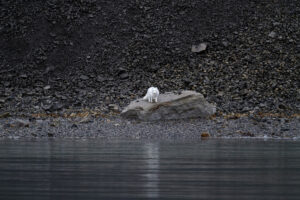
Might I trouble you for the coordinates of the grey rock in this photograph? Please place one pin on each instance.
(272, 34)
(18, 123)
(199, 48)
(56, 106)
(298, 48)
(100, 79)
(5, 115)
(225, 43)
(284, 129)
(46, 106)
(74, 126)
(2, 100)
(23, 76)
(49, 69)
(113, 107)
(50, 134)
(84, 77)
(85, 120)
(188, 104)
(124, 75)
(47, 87)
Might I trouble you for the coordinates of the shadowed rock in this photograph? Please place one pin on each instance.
(187, 104)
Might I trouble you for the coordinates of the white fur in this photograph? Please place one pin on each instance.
(152, 94)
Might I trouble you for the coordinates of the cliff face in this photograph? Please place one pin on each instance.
(63, 54)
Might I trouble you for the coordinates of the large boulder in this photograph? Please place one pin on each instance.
(171, 105)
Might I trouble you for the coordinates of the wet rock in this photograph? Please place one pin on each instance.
(50, 134)
(188, 104)
(199, 48)
(284, 129)
(18, 123)
(34, 134)
(205, 135)
(245, 133)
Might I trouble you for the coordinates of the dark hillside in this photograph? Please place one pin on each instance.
(59, 54)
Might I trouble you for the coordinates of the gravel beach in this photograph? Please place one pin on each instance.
(266, 127)
(59, 57)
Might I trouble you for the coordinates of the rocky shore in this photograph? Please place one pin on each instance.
(62, 57)
(231, 126)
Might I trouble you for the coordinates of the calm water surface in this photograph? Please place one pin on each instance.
(94, 169)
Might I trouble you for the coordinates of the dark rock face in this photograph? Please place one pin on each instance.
(188, 104)
(119, 48)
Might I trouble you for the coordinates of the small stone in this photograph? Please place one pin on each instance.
(4, 115)
(6, 84)
(49, 69)
(50, 134)
(153, 68)
(205, 135)
(272, 34)
(46, 106)
(18, 123)
(298, 46)
(246, 109)
(187, 81)
(220, 94)
(124, 75)
(85, 120)
(2, 100)
(47, 87)
(74, 126)
(113, 107)
(225, 43)
(100, 79)
(34, 134)
(84, 77)
(284, 129)
(282, 106)
(56, 106)
(107, 99)
(23, 76)
(199, 48)
(52, 34)
(247, 134)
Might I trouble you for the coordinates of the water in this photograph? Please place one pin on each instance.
(95, 169)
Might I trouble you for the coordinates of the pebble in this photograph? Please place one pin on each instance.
(84, 77)
(272, 34)
(199, 48)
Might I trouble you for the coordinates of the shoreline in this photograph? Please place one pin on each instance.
(114, 127)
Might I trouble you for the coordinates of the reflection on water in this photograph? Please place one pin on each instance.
(93, 169)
